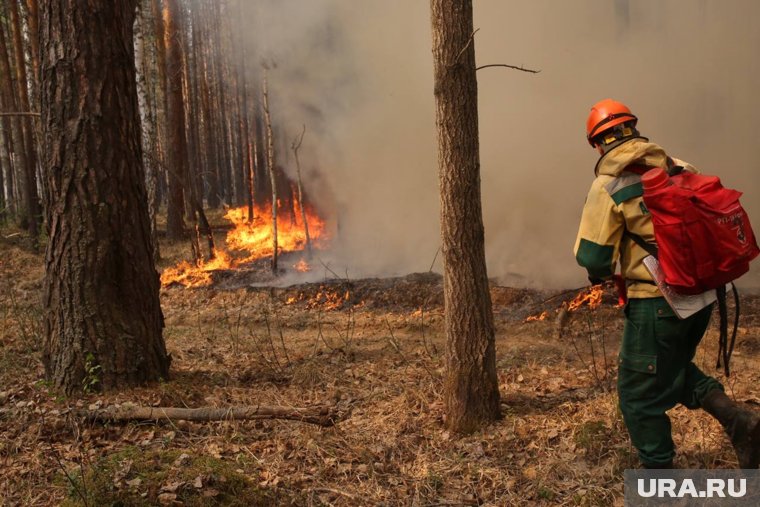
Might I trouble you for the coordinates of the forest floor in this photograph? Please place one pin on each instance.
(373, 347)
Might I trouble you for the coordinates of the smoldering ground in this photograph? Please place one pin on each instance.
(359, 74)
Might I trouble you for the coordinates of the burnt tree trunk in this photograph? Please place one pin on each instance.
(101, 293)
(176, 149)
(270, 166)
(471, 387)
(296, 146)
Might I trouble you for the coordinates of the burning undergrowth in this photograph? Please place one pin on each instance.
(250, 245)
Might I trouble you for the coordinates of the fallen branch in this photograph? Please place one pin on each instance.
(321, 415)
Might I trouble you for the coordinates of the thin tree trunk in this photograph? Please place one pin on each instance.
(471, 387)
(33, 17)
(9, 102)
(31, 198)
(160, 101)
(296, 146)
(103, 320)
(270, 166)
(6, 166)
(176, 150)
(147, 129)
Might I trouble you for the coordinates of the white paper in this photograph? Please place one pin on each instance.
(683, 305)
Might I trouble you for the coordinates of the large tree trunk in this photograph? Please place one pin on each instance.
(471, 386)
(176, 149)
(31, 197)
(102, 315)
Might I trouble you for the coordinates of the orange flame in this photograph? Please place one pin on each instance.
(302, 266)
(534, 318)
(255, 238)
(592, 297)
(191, 275)
(254, 241)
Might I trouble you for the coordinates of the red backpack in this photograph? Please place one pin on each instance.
(704, 238)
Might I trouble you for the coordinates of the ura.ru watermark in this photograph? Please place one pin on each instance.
(695, 487)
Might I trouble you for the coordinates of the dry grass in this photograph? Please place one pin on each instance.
(561, 440)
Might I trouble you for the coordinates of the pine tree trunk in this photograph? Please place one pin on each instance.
(9, 102)
(31, 197)
(176, 149)
(471, 387)
(6, 167)
(159, 104)
(101, 296)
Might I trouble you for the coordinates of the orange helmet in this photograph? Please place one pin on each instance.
(606, 114)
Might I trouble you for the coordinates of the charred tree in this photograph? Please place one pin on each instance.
(101, 293)
(176, 149)
(471, 387)
(296, 146)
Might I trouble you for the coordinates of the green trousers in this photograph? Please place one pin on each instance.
(656, 372)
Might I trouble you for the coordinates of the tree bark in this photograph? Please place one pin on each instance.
(103, 319)
(471, 386)
(176, 150)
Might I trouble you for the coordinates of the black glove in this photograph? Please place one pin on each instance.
(595, 281)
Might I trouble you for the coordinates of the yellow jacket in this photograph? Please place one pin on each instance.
(614, 204)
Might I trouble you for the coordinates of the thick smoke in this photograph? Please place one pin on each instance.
(359, 74)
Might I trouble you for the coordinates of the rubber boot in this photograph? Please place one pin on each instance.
(741, 425)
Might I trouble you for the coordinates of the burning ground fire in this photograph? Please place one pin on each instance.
(253, 241)
(591, 297)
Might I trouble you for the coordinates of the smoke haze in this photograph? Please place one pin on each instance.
(359, 74)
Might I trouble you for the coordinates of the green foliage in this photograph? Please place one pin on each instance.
(91, 374)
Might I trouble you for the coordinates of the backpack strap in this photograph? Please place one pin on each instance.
(726, 347)
(650, 248)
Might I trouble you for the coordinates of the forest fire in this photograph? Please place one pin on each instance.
(254, 240)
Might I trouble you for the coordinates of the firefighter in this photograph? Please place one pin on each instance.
(655, 365)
